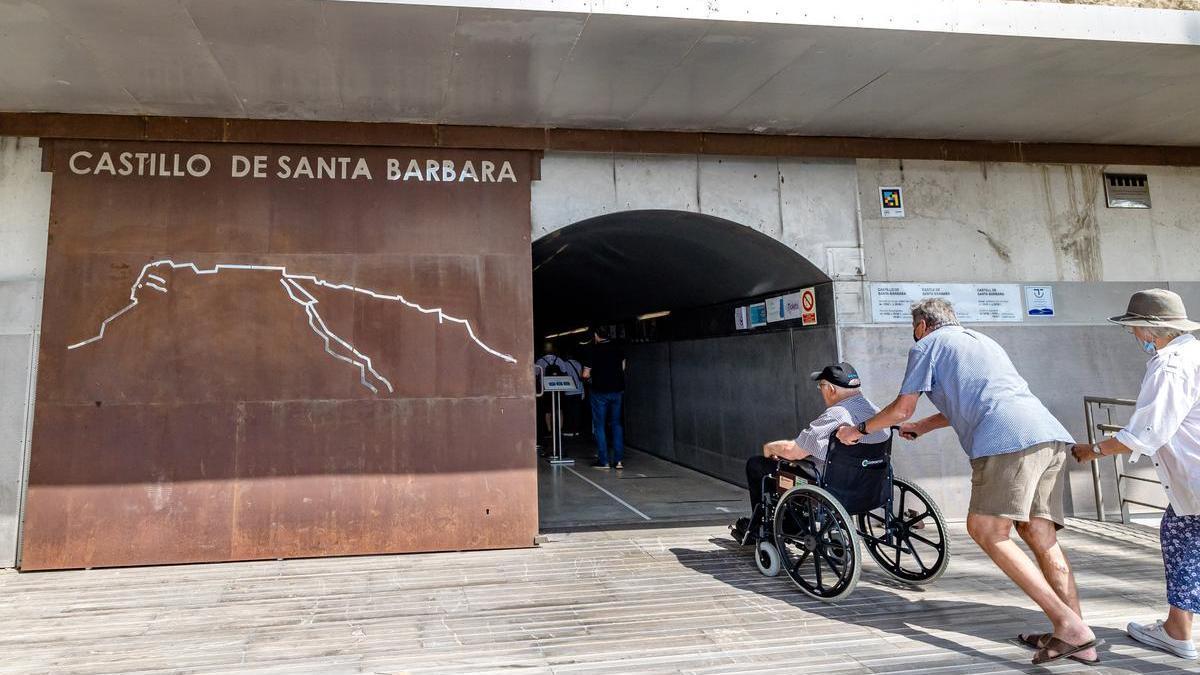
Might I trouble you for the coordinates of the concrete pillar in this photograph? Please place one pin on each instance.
(24, 223)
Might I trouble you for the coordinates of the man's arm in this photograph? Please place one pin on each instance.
(814, 439)
(918, 379)
(899, 410)
(923, 426)
(784, 450)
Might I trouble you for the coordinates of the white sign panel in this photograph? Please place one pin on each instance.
(741, 318)
(785, 307)
(1039, 300)
(973, 303)
(791, 305)
(558, 383)
(775, 309)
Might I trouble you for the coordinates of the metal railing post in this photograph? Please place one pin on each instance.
(1091, 435)
(1118, 461)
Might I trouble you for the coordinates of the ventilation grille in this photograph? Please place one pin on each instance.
(1127, 190)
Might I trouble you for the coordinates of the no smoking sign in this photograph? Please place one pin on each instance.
(808, 305)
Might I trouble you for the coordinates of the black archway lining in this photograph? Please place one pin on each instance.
(618, 266)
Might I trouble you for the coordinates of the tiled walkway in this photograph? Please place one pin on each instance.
(649, 491)
(634, 601)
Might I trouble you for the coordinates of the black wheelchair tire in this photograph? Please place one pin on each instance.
(877, 549)
(815, 546)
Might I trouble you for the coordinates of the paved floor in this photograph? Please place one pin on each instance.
(634, 601)
(648, 491)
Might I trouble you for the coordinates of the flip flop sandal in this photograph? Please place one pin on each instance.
(1033, 640)
(1064, 649)
(1038, 640)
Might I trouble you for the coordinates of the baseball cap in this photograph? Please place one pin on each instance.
(842, 374)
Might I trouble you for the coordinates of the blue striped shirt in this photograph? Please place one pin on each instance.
(852, 411)
(970, 379)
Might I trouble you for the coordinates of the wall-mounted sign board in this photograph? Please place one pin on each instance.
(973, 303)
(758, 315)
(1039, 300)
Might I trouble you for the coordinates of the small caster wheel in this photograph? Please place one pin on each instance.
(767, 558)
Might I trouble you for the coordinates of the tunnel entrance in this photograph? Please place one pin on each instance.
(702, 394)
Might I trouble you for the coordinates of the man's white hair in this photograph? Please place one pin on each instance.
(935, 312)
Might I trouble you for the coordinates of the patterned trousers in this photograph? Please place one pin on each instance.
(1180, 536)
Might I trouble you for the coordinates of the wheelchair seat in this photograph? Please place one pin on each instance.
(860, 475)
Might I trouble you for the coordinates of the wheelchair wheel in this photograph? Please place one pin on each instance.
(818, 547)
(767, 558)
(911, 542)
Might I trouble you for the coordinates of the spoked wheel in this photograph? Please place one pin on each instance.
(911, 542)
(818, 547)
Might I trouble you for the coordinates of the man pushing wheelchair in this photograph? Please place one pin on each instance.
(816, 500)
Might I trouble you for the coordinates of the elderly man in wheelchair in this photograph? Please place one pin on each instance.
(804, 492)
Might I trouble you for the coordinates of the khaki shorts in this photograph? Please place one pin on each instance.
(1021, 485)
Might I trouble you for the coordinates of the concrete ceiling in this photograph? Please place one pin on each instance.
(396, 61)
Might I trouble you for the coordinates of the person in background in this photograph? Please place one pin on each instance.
(1165, 427)
(1017, 450)
(839, 386)
(573, 400)
(604, 369)
(550, 365)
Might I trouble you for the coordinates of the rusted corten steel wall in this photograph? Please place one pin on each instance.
(285, 385)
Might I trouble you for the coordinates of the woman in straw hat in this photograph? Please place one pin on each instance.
(1165, 427)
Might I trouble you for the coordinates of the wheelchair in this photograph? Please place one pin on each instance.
(804, 526)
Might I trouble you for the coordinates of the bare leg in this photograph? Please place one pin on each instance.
(1039, 534)
(1179, 624)
(992, 535)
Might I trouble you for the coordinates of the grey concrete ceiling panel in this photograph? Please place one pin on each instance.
(400, 61)
(273, 53)
(44, 67)
(159, 57)
(505, 65)
(617, 65)
(834, 68)
(727, 65)
(388, 65)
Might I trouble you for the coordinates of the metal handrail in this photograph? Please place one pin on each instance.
(1107, 404)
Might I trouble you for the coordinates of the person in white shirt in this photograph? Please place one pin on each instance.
(1165, 427)
(551, 363)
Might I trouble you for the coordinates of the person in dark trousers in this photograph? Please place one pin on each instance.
(840, 389)
(604, 368)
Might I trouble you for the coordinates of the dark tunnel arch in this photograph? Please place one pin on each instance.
(617, 266)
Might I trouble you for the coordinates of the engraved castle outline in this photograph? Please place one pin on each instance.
(297, 293)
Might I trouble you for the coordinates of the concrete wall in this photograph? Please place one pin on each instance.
(965, 222)
(24, 221)
(1020, 223)
(810, 205)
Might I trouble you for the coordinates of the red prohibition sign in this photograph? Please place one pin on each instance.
(807, 300)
